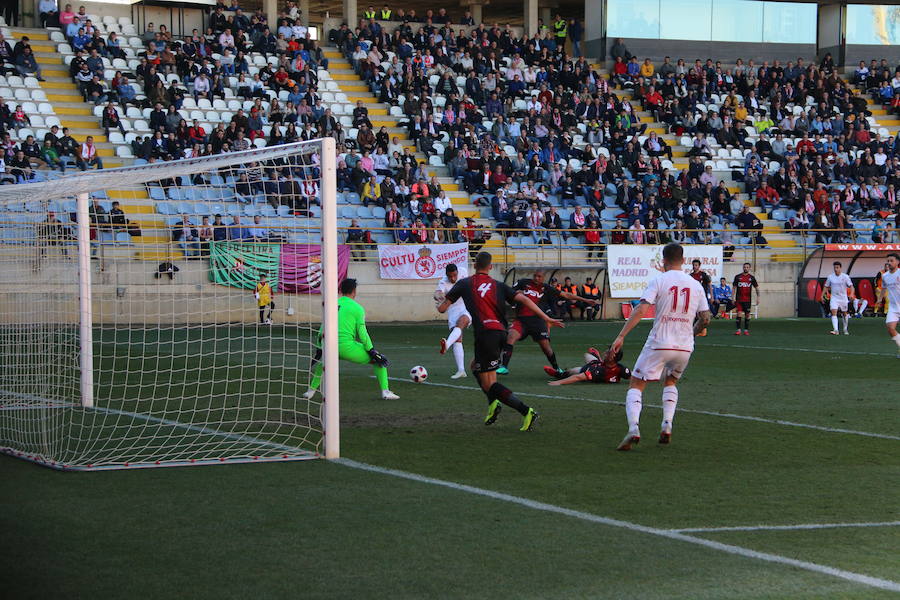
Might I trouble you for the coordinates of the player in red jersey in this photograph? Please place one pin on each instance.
(486, 299)
(598, 368)
(528, 323)
(744, 284)
(703, 278)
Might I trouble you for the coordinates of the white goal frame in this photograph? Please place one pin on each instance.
(81, 185)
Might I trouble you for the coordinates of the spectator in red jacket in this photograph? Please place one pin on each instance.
(767, 196)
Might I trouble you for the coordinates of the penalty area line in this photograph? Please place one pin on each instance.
(858, 578)
(799, 527)
(883, 436)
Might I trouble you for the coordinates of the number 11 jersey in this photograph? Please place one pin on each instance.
(678, 298)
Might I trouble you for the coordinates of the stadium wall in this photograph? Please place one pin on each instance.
(127, 291)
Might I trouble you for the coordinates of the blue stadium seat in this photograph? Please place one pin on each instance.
(201, 208)
(164, 208)
(610, 213)
(216, 209)
(284, 211)
(184, 207)
(315, 211)
(348, 212)
(378, 212)
(122, 237)
(157, 193)
(101, 195)
(266, 210)
(174, 193)
(237, 209)
(363, 212)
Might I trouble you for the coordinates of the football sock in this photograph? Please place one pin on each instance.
(834, 323)
(896, 339)
(505, 395)
(633, 407)
(460, 355)
(262, 313)
(507, 354)
(861, 306)
(316, 378)
(382, 375)
(846, 322)
(738, 321)
(670, 401)
(454, 336)
(552, 358)
(747, 322)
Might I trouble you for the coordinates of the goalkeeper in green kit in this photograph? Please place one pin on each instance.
(354, 343)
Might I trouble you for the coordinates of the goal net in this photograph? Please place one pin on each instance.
(172, 313)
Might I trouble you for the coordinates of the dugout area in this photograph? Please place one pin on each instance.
(862, 262)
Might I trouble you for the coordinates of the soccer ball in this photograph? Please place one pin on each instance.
(418, 374)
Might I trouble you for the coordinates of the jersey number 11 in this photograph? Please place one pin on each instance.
(686, 292)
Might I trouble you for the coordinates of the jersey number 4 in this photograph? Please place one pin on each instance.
(483, 289)
(686, 292)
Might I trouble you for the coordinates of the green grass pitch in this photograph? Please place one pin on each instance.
(313, 529)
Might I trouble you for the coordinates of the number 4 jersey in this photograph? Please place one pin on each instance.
(678, 298)
(485, 299)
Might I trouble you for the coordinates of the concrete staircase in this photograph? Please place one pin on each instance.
(78, 116)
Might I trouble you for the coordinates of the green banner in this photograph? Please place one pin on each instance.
(239, 264)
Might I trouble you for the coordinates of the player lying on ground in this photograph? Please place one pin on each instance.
(839, 287)
(598, 368)
(486, 299)
(744, 284)
(264, 299)
(354, 343)
(890, 281)
(681, 313)
(458, 319)
(529, 324)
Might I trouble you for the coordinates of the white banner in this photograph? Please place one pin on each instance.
(421, 261)
(631, 267)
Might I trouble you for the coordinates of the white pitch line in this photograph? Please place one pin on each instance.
(858, 578)
(883, 436)
(786, 527)
(782, 349)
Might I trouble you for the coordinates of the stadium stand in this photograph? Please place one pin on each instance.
(388, 86)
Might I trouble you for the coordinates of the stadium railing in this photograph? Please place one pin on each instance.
(550, 247)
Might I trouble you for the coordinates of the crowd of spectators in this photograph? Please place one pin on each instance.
(537, 134)
(507, 114)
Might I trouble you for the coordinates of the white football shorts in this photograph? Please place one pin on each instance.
(838, 304)
(454, 313)
(893, 316)
(653, 365)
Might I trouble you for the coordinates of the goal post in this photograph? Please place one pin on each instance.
(173, 313)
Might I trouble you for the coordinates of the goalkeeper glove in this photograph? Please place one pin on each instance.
(378, 358)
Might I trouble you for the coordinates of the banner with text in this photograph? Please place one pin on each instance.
(421, 261)
(631, 267)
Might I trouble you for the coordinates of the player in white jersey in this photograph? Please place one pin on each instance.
(682, 312)
(890, 281)
(458, 318)
(838, 284)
